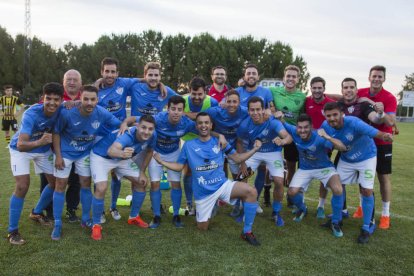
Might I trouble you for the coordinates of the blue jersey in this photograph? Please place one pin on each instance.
(77, 132)
(357, 137)
(35, 123)
(227, 124)
(313, 152)
(266, 132)
(147, 101)
(114, 98)
(198, 108)
(206, 160)
(260, 92)
(168, 135)
(128, 139)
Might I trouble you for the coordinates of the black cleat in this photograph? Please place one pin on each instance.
(177, 222)
(250, 238)
(71, 215)
(363, 237)
(155, 223)
(15, 238)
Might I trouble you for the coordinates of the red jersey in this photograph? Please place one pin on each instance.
(390, 107)
(219, 96)
(315, 110)
(67, 98)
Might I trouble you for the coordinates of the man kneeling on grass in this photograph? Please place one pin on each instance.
(205, 158)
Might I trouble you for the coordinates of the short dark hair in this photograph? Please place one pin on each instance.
(176, 100)
(232, 92)
(348, 79)
(292, 68)
(109, 61)
(53, 88)
(196, 83)
(378, 68)
(147, 118)
(218, 67)
(89, 88)
(255, 99)
(203, 114)
(331, 106)
(304, 118)
(318, 79)
(7, 86)
(249, 65)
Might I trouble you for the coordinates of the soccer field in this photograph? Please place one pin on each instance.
(297, 248)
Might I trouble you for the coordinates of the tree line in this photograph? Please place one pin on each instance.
(182, 57)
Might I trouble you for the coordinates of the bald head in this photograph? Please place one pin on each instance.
(72, 82)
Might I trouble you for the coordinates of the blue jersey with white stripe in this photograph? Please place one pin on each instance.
(260, 92)
(35, 123)
(147, 101)
(77, 132)
(313, 153)
(266, 132)
(356, 136)
(206, 160)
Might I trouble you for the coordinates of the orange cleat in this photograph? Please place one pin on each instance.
(384, 222)
(138, 222)
(358, 213)
(96, 232)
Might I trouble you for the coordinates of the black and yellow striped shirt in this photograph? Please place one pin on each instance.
(8, 104)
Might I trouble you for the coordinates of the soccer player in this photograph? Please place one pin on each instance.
(205, 158)
(256, 127)
(32, 142)
(314, 163)
(73, 138)
(219, 88)
(8, 104)
(386, 100)
(117, 153)
(357, 164)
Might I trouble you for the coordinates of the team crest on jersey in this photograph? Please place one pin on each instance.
(216, 149)
(265, 132)
(120, 90)
(351, 109)
(349, 137)
(95, 124)
(312, 148)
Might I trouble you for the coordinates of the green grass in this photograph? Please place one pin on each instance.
(303, 248)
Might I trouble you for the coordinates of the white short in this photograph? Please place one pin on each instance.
(273, 161)
(20, 162)
(156, 170)
(82, 167)
(233, 166)
(302, 178)
(100, 167)
(205, 206)
(361, 172)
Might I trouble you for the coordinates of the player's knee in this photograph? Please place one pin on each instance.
(21, 190)
(251, 194)
(292, 192)
(155, 186)
(366, 192)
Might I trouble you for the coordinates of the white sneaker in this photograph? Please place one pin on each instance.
(103, 218)
(115, 214)
(191, 211)
(259, 209)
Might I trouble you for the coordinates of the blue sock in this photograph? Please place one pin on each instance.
(277, 206)
(97, 210)
(367, 207)
(249, 215)
(16, 207)
(44, 200)
(115, 189)
(58, 202)
(137, 200)
(86, 200)
(337, 202)
(259, 181)
(156, 202)
(298, 201)
(188, 189)
(176, 195)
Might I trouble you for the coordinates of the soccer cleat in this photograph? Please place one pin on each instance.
(191, 210)
(56, 233)
(384, 222)
(328, 223)
(162, 209)
(103, 218)
(279, 222)
(372, 227)
(295, 210)
(336, 230)
(177, 222)
(345, 214)
(87, 224)
(40, 218)
(300, 214)
(155, 223)
(235, 212)
(115, 214)
(138, 222)
(250, 238)
(259, 210)
(320, 213)
(363, 237)
(71, 215)
(15, 238)
(358, 213)
(96, 232)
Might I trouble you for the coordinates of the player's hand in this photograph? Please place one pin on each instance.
(223, 104)
(379, 107)
(59, 163)
(323, 134)
(267, 114)
(257, 145)
(222, 141)
(122, 128)
(142, 180)
(157, 157)
(241, 82)
(127, 152)
(163, 90)
(387, 137)
(279, 115)
(278, 141)
(243, 168)
(45, 139)
(98, 83)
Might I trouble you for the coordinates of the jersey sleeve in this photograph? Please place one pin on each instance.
(27, 123)
(391, 106)
(289, 128)
(213, 102)
(267, 95)
(277, 126)
(367, 109)
(126, 140)
(128, 84)
(191, 127)
(364, 128)
(111, 120)
(229, 150)
(183, 158)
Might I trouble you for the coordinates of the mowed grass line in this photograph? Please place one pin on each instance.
(296, 249)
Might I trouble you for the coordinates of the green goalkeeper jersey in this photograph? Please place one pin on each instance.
(290, 103)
